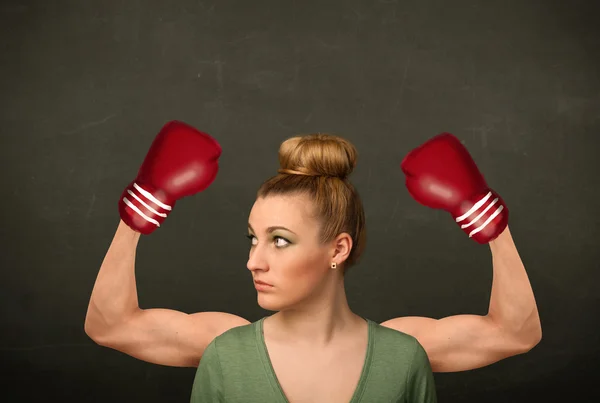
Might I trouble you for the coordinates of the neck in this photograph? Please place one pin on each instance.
(319, 321)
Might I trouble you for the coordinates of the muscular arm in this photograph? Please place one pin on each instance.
(512, 325)
(159, 336)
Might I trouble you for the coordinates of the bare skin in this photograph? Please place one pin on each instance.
(315, 342)
(512, 325)
(160, 336)
(320, 374)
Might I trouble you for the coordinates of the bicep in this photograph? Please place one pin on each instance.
(460, 342)
(168, 337)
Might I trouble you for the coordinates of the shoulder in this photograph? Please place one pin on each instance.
(236, 339)
(387, 334)
(395, 344)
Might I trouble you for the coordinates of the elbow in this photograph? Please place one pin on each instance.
(528, 333)
(96, 329)
(90, 326)
(99, 324)
(535, 332)
(531, 338)
(92, 331)
(528, 345)
(523, 337)
(535, 339)
(103, 331)
(98, 336)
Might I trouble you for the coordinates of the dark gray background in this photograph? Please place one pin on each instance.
(86, 85)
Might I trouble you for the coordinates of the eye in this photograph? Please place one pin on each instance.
(251, 238)
(276, 238)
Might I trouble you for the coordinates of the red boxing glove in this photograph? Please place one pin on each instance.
(441, 174)
(181, 161)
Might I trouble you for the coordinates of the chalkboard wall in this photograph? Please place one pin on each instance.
(86, 85)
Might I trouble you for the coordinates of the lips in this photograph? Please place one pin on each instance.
(262, 282)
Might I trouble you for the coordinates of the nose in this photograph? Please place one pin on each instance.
(256, 260)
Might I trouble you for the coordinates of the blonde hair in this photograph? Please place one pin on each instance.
(318, 165)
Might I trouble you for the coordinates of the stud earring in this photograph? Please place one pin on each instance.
(333, 265)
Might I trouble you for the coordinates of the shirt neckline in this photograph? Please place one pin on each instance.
(274, 382)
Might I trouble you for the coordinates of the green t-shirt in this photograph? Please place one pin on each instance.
(236, 367)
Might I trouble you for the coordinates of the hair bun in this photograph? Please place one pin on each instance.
(317, 155)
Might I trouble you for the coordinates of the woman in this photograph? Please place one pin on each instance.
(307, 229)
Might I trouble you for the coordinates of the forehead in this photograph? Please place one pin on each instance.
(294, 212)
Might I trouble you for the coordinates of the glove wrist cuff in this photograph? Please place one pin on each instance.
(484, 217)
(144, 208)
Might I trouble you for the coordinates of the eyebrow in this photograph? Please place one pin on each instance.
(273, 228)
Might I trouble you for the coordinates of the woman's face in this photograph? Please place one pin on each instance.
(285, 251)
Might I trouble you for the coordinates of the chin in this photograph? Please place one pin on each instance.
(272, 302)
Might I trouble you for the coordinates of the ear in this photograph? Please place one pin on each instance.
(342, 246)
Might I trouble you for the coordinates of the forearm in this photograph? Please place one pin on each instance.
(512, 302)
(114, 295)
